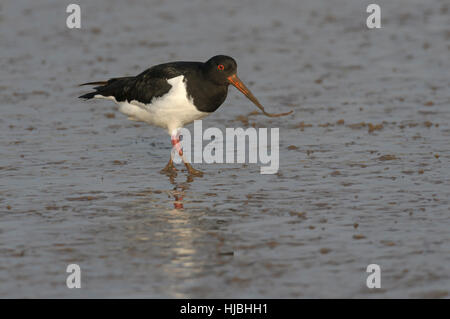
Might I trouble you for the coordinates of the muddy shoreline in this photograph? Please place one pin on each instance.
(364, 160)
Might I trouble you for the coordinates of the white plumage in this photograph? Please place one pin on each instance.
(171, 111)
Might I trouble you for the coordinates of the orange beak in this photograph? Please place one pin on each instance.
(236, 82)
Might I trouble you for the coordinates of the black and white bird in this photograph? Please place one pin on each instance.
(174, 94)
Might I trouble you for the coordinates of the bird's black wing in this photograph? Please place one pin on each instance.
(144, 87)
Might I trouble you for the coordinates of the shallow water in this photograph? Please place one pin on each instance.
(364, 160)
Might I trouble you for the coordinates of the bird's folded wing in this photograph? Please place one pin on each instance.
(143, 88)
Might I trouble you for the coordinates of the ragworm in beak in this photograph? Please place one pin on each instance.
(233, 79)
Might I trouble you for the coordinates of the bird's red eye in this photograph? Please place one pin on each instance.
(221, 67)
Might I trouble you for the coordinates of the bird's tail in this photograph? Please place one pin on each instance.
(95, 83)
(105, 88)
(92, 94)
(87, 96)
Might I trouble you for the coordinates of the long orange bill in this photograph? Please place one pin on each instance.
(241, 87)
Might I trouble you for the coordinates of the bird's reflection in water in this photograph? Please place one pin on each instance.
(182, 232)
(171, 243)
(179, 189)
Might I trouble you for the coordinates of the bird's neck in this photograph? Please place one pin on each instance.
(207, 95)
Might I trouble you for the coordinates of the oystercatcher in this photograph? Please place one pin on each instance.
(174, 94)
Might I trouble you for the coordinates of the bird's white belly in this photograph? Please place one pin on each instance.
(170, 111)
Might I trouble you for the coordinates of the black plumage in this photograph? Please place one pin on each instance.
(206, 93)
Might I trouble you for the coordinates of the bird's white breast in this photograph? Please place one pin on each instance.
(171, 111)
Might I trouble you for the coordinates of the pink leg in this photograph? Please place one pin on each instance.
(176, 142)
(170, 168)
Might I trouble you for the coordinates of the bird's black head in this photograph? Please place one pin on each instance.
(219, 68)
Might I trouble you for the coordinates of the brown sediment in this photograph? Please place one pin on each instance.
(357, 164)
(253, 113)
(302, 125)
(272, 244)
(346, 184)
(85, 198)
(95, 30)
(388, 157)
(357, 125)
(243, 119)
(335, 173)
(387, 243)
(375, 127)
(117, 162)
(298, 214)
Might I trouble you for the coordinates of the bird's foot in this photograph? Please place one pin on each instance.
(169, 170)
(192, 171)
